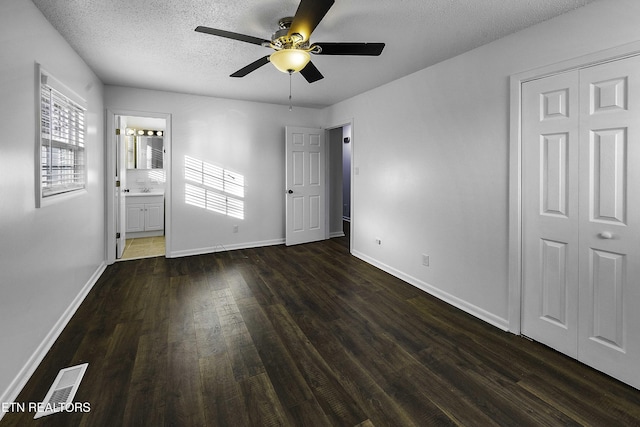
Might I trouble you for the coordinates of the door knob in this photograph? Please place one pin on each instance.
(606, 235)
(290, 191)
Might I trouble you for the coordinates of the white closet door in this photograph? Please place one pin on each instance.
(581, 215)
(609, 311)
(550, 211)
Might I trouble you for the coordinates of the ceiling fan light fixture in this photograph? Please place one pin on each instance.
(292, 45)
(290, 60)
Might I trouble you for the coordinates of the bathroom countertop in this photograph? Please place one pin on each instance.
(150, 193)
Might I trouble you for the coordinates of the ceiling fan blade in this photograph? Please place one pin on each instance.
(308, 16)
(251, 67)
(235, 36)
(311, 73)
(362, 49)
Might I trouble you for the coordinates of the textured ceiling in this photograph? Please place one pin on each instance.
(152, 43)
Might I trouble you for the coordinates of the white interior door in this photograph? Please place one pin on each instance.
(305, 179)
(581, 215)
(550, 211)
(609, 311)
(121, 184)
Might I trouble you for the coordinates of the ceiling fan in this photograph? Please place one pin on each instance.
(292, 46)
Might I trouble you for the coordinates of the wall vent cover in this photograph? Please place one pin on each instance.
(62, 391)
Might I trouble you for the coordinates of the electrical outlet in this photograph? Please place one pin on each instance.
(425, 260)
(235, 228)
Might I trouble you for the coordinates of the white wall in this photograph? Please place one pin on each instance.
(432, 151)
(242, 137)
(47, 255)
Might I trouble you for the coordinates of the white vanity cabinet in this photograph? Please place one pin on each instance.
(145, 215)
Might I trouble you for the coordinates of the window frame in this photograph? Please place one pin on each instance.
(43, 80)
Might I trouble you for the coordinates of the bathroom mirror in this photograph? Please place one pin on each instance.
(144, 152)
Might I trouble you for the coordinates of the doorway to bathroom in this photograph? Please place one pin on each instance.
(138, 167)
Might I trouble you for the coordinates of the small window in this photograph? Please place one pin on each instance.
(61, 140)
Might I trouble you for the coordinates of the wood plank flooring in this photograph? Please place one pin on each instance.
(305, 336)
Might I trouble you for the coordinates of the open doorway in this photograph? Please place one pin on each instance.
(346, 180)
(144, 183)
(138, 163)
(340, 149)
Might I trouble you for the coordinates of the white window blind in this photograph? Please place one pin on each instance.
(62, 142)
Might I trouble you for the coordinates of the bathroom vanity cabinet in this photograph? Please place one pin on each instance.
(145, 215)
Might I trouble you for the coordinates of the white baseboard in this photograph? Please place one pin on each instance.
(336, 234)
(14, 389)
(223, 248)
(463, 305)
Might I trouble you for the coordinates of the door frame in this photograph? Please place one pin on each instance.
(340, 124)
(515, 261)
(110, 184)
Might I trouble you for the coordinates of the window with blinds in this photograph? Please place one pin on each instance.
(62, 141)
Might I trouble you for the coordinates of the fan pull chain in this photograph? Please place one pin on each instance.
(290, 106)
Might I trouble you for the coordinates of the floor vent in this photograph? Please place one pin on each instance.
(62, 391)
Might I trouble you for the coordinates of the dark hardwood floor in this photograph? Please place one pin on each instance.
(305, 336)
